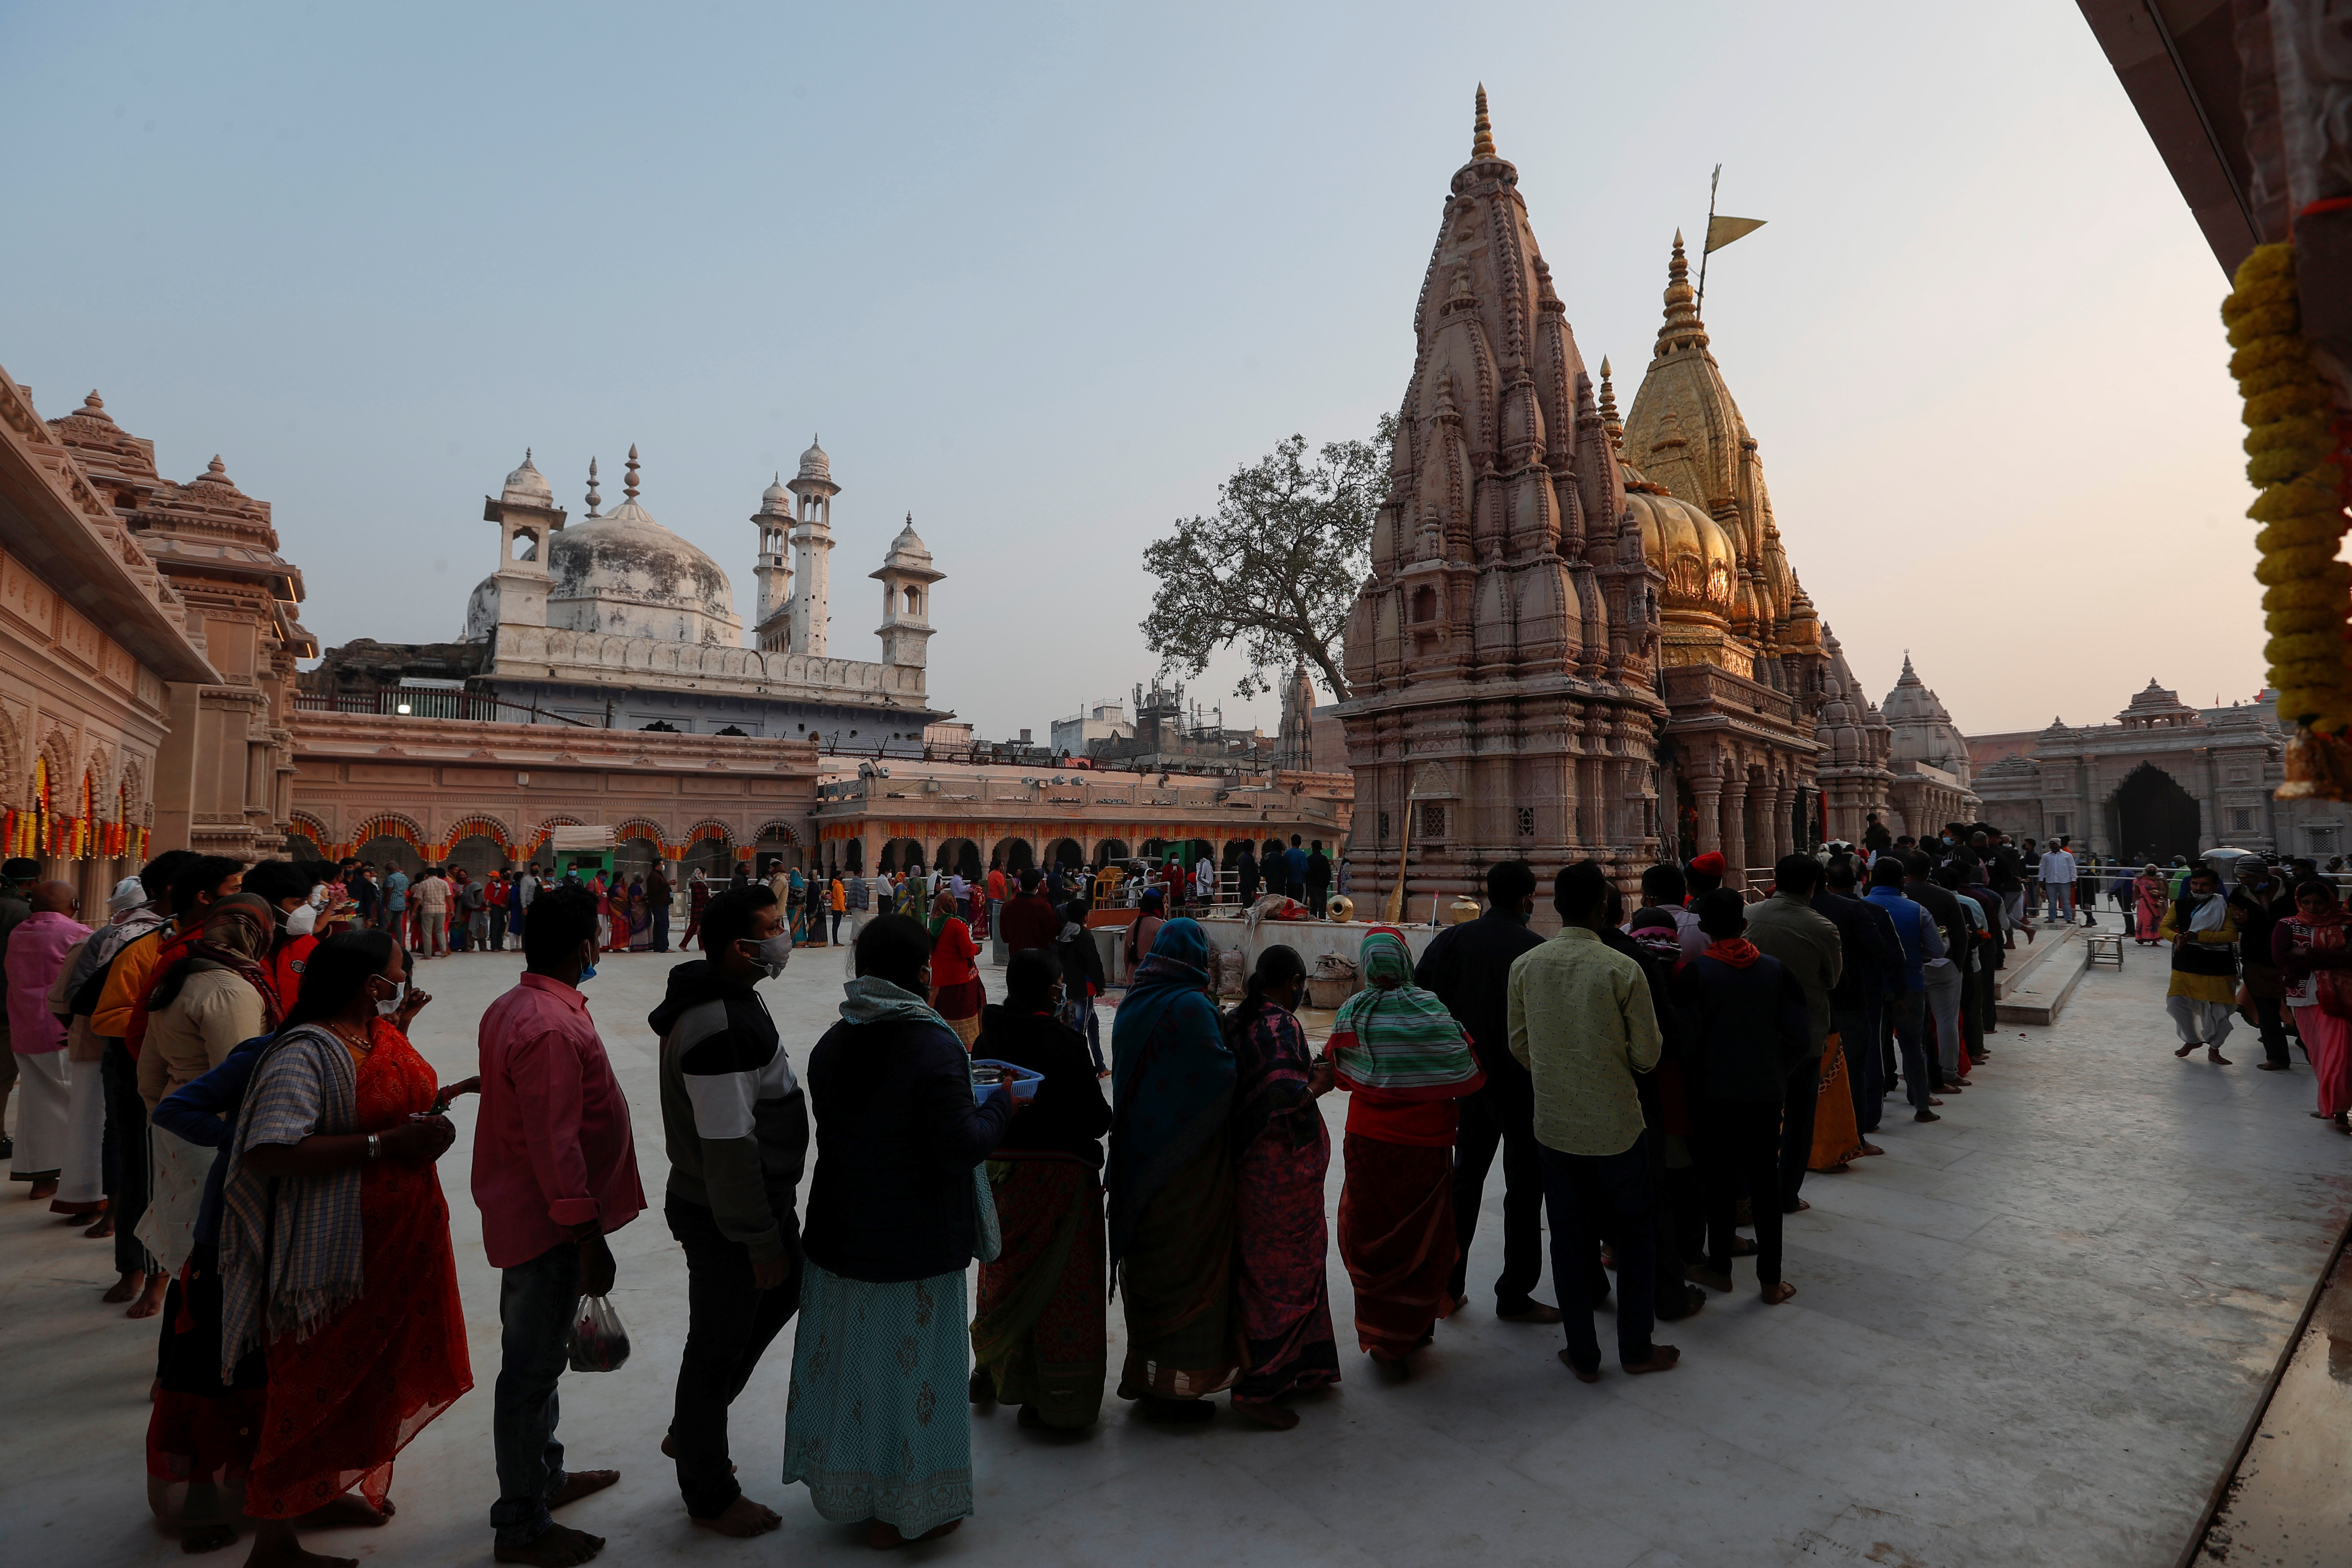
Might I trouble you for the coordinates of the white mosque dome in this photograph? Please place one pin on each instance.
(624, 574)
(527, 486)
(814, 464)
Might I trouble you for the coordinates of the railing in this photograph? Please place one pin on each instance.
(431, 704)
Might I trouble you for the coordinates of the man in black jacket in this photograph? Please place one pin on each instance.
(736, 1126)
(1319, 879)
(1872, 971)
(1752, 1033)
(1468, 967)
(1028, 921)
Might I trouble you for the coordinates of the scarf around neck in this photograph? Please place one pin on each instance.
(1392, 1035)
(870, 999)
(1735, 950)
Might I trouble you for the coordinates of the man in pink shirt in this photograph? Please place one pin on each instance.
(555, 1172)
(35, 949)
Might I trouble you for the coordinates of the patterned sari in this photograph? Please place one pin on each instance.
(1835, 1138)
(1040, 1334)
(1283, 1155)
(353, 1382)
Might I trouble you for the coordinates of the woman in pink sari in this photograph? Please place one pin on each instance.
(2149, 898)
(2312, 951)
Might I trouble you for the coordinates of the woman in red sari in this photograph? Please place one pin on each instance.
(957, 994)
(1282, 1153)
(334, 1247)
(2312, 949)
(2150, 898)
(1404, 1061)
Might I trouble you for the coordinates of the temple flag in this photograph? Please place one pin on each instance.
(1722, 231)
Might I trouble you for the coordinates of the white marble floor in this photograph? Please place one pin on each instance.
(2029, 1334)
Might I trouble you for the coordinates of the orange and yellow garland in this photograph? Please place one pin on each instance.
(2296, 454)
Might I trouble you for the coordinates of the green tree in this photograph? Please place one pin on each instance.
(1276, 567)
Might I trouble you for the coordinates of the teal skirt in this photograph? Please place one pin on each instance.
(879, 1422)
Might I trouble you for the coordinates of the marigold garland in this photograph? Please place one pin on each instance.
(2295, 452)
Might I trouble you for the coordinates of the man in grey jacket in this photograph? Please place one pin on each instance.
(736, 1126)
(1807, 943)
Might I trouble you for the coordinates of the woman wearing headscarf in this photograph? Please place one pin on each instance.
(2312, 951)
(334, 1243)
(1170, 1182)
(204, 1005)
(2150, 896)
(697, 899)
(1404, 1061)
(1282, 1155)
(957, 993)
(1038, 1335)
(1082, 979)
(872, 1422)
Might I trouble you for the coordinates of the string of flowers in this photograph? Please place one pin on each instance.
(2296, 454)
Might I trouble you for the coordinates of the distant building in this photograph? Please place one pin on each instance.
(2163, 779)
(1106, 720)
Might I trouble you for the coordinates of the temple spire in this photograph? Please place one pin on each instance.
(1611, 425)
(629, 479)
(1681, 328)
(1481, 134)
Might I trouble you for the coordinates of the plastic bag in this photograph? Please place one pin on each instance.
(600, 1341)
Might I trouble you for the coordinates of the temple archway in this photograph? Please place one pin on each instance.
(900, 855)
(390, 854)
(2155, 818)
(479, 855)
(1015, 856)
(961, 855)
(1109, 850)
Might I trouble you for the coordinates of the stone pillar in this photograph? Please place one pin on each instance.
(1735, 827)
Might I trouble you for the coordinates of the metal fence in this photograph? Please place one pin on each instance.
(431, 704)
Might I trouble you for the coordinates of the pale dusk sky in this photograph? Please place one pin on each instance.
(1042, 275)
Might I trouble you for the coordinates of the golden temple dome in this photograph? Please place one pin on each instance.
(1691, 549)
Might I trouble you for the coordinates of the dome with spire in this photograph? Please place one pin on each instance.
(908, 549)
(814, 464)
(1924, 730)
(527, 486)
(775, 498)
(624, 573)
(1685, 435)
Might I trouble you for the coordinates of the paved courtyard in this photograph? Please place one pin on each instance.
(2029, 1334)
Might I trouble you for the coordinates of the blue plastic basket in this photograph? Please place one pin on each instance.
(1012, 1074)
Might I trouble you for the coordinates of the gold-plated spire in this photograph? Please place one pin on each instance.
(1481, 134)
(1682, 327)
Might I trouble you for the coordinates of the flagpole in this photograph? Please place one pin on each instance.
(1707, 243)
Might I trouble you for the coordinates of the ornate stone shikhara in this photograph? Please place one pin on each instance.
(1558, 654)
(1502, 655)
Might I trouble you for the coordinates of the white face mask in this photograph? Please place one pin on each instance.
(302, 921)
(775, 951)
(390, 1005)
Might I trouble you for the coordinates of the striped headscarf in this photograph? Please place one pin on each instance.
(1395, 1036)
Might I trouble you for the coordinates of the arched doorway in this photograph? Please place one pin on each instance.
(2155, 818)
(900, 855)
(1110, 849)
(713, 857)
(1015, 856)
(1066, 852)
(479, 855)
(961, 855)
(388, 853)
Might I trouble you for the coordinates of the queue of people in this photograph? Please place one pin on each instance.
(238, 1097)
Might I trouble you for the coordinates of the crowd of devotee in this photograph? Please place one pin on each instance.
(217, 1077)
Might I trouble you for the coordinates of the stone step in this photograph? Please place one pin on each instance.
(2037, 992)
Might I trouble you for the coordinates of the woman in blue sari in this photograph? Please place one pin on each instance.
(1170, 1182)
